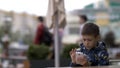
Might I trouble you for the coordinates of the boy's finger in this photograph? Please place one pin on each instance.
(74, 50)
(70, 52)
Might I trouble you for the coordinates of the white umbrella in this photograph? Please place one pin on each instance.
(54, 7)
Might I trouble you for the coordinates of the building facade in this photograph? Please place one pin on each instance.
(18, 23)
(104, 13)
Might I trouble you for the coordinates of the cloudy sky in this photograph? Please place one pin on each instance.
(39, 7)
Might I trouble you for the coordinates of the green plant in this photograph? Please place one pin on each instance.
(67, 49)
(37, 52)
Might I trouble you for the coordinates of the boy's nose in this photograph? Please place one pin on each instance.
(86, 42)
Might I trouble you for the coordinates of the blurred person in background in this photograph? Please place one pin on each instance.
(82, 20)
(110, 39)
(113, 47)
(6, 42)
(39, 31)
(43, 36)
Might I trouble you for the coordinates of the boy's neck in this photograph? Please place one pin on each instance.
(93, 47)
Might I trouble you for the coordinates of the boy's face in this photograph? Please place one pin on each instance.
(89, 41)
(81, 21)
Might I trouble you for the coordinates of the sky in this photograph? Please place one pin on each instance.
(39, 7)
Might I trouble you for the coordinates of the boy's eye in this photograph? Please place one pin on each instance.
(84, 39)
(87, 39)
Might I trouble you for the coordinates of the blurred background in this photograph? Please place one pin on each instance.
(18, 24)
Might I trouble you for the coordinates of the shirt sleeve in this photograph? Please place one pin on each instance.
(103, 58)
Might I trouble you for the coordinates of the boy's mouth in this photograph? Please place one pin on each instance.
(88, 47)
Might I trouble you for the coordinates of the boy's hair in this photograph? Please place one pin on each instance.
(40, 18)
(90, 29)
(84, 17)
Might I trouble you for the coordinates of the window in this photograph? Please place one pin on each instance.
(74, 30)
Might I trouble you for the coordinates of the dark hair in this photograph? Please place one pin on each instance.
(40, 18)
(84, 17)
(90, 29)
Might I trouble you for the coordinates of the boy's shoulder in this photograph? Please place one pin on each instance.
(82, 45)
(101, 45)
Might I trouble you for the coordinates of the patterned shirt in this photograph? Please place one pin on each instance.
(97, 56)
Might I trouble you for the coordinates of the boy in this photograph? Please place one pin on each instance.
(93, 52)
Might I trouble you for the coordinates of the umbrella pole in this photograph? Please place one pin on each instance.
(56, 41)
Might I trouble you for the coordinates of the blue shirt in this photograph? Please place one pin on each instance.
(97, 56)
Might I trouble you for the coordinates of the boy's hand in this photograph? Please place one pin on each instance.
(73, 55)
(82, 60)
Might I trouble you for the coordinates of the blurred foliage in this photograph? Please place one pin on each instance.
(28, 39)
(67, 49)
(37, 52)
(1, 33)
(24, 38)
(17, 36)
